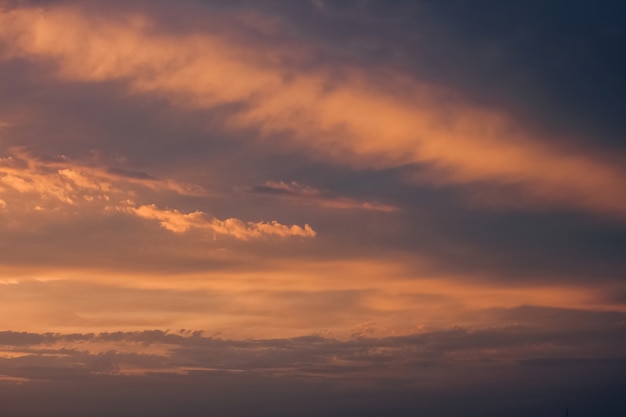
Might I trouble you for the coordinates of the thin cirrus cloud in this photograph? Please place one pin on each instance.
(60, 186)
(352, 120)
(304, 194)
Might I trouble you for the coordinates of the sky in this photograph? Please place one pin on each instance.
(312, 208)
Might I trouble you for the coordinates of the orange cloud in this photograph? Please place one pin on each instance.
(275, 297)
(355, 122)
(178, 222)
(29, 184)
(313, 196)
(61, 178)
(352, 122)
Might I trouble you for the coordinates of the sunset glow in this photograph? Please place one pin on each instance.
(305, 208)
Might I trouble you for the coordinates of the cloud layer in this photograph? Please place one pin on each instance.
(311, 208)
(59, 186)
(353, 122)
(362, 366)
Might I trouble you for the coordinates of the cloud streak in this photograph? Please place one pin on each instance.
(28, 184)
(304, 194)
(539, 343)
(178, 222)
(352, 122)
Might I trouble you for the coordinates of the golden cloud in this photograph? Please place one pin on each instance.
(353, 121)
(308, 195)
(61, 185)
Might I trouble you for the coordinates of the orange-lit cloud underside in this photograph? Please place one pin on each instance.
(288, 299)
(353, 122)
(248, 288)
(311, 208)
(59, 187)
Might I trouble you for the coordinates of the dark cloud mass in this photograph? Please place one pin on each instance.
(404, 375)
(348, 208)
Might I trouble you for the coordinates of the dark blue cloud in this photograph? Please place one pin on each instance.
(557, 65)
(517, 370)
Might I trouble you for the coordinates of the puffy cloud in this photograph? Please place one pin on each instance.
(33, 184)
(178, 222)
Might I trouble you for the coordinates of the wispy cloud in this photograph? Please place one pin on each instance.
(349, 203)
(61, 180)
(304, 194)
(60, 186)
(352, 122)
